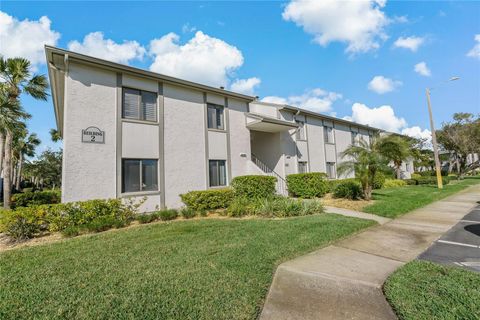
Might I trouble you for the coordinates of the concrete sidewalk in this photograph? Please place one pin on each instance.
(344, 281)
(357, 214)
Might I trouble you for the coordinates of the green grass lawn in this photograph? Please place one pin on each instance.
(394, 202)
(423, 290)
(201, 269)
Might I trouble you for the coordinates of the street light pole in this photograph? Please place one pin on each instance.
(434, 142)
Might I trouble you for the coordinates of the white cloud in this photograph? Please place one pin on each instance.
(381, 85)
(417, 132)
(360, 24)
(203, 58)
(186, 28)
(475, 51)
(26, 38)
(382, 117)
(411, 43)
(316, 100)
(422, 69)
(95, 45)
(245, 86)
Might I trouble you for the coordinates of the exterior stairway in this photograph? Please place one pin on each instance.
(281, 185)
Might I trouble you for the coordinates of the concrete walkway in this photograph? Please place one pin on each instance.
(357, 214)
(344, 281)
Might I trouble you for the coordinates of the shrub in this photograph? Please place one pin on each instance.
(274, 207)
(208, 199)
(23, 223)
(411, 182)
(187, 213)
(254, 187)
(168, 214)
(393, 183)
(415, 176)
(147, 217)
(379, 180)
(432, 180)
(307, 185)
(30, 198)
(69, 218)
(333, 183)
(348, 189)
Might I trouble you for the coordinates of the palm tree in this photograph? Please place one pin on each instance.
(25, 147)
(55, 135)
(15, 78)
(396, 149)
(365, 161)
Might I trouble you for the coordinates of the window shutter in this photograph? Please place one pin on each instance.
(149, 106)
(130, 103)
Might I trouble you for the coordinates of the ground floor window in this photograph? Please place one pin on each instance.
(331, 172)
(217, 173)
(139, 175)
(302, 167)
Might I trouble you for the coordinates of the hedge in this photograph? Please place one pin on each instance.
(307, 185)
(333, 183)
(208, 199)
(31, 198)
(348, 189)
(68, 218)
(379, 180)
(432, 180)
(254, 186)
(393, 183)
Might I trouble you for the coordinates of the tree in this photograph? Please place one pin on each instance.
(16, 78)
(365, 160)
(25, 147)
(55, 135)
(461, 137)
(46, 170)
(397, 149)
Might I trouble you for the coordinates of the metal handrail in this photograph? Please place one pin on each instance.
(281, 183)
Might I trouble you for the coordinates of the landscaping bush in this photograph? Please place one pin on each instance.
(332, 184)
(167, 214)
(30, 198)
(307, 185)
(432, 180)
(147, 217)
(411, 182)
(393, 183)
(274, 207)
(415, 176)
(379, 180)
(254, 187)
(187, 213)
(348, 189)
(68, 218)
(208, 199)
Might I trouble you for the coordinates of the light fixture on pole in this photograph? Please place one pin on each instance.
(434, 137)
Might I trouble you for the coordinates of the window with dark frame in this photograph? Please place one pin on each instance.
(331, 173)
(215, 117)
(300, 133)
(217, 173)
(355, 138)
(139, 105)
(302, 167)
(328, 134)
(139, 175)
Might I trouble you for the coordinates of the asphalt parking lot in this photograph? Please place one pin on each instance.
(460, 246)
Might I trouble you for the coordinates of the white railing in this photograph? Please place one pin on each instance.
(281, 184)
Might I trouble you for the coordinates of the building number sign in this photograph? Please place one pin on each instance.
(93, 135)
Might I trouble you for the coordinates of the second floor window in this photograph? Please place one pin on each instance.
(139, 105)
(300, 135)
(355, 138)
(328, 134)
(215, 117)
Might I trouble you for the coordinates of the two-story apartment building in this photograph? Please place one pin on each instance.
(129, 132)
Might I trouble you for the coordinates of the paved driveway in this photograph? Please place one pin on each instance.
(460, 246)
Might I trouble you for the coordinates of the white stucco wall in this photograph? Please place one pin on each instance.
(217, 145)
(316, 145)
(185, 149)
(89, 169)
(239, 138)
(140, 141)
(267, 110)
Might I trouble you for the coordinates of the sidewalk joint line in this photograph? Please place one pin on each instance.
(459, 244)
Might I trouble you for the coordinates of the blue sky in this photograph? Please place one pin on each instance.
(346, 59)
